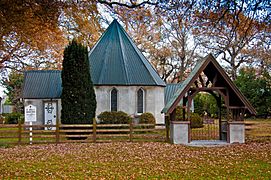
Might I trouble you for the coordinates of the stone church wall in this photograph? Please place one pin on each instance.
(127, 100)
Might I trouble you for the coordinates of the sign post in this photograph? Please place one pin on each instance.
(30, 112)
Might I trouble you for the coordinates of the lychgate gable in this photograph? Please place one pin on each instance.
(209, 76)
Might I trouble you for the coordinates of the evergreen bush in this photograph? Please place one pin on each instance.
(146, 118)
(179, 114)
(196, 120)
(13, 118)
(114, 117)
(78, 95)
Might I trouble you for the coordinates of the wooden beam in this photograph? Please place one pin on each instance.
(208, 88)
(237, 107)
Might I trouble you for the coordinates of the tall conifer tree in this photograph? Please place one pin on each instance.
(78, 96)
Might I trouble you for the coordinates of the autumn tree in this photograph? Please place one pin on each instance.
(28, 28)
(164, 37)
(260, 54)
(232, 37)
(81, 20)
(37, 30)
(78, 96)
(146, 30)
(33, 33)
(178, 25)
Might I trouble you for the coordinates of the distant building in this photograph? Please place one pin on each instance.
(5, 108)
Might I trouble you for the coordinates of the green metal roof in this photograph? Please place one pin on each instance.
(183, 85)
(170, 91)
(116, 60)
(42, 84)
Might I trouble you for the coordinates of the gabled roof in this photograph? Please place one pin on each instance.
(170, 90)
(209, 65)
(116, 60)
(42, 84)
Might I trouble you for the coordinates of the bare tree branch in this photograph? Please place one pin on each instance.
(132, 5)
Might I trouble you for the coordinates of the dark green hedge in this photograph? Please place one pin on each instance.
(13, 118)
(196, 121)
(146, 118)
(114, 117)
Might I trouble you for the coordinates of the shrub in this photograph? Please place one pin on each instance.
(114, 117)
(196, 121)
(2, 119)
(78, 96)
(13, 118)
(146, 118)
(179, 114)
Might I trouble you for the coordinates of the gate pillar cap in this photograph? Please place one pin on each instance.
(180, 122)
(236, 122)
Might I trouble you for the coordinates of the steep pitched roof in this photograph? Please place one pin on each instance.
(116, 60)
(42, 84)
(170, 90)
(209, 65)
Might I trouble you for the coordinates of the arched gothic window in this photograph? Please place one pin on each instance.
(114, 99)
(140, 101)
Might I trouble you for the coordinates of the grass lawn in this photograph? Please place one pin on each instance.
(135, 161)
(258, 130)
(142, 160)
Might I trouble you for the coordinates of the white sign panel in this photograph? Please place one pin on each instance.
(30, 113)
(50, 115)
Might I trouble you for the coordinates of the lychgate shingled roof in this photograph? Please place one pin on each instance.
(209, 66)
(42, 84)
(116, 60)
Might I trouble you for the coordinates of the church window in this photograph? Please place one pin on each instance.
(140, 101)
(114, 99)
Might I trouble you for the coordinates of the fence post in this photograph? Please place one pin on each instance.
(57, 132)
(94, 130)
(19, 132)
(131, 131)
(167, 128)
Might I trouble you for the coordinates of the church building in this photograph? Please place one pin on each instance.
(123, 78)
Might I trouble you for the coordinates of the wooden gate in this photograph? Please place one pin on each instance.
(209, 131)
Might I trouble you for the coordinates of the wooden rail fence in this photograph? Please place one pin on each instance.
(63, 133)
